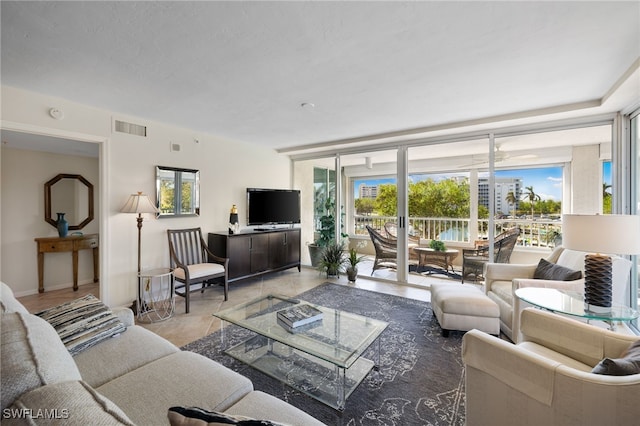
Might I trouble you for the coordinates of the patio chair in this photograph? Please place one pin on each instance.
(386, 250)
(391, 229)
(473, 260)
(193, 263)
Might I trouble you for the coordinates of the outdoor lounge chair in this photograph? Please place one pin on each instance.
(386, 250)
(473, 260)
(391, 228)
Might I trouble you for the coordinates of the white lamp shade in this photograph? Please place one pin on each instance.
(608, 234)
(139, 203)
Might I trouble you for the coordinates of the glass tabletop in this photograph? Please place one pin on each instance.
(339, 337)
(572, 303)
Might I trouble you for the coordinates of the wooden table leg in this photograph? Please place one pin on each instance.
(96, 265)
(75, 270)
(40, 272)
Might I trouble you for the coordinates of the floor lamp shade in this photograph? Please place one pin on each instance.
(139, 203)
(600, 236)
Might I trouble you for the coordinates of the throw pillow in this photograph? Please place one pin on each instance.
(550, 271)
(625, 366)
(83, 323)
(193, 416)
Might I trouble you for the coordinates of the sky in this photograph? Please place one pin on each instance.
(546, 182)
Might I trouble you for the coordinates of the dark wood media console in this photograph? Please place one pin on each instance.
(252, 253)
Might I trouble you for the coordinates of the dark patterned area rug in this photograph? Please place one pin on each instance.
(421, 378)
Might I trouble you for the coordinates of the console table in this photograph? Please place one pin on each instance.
(252, 253)
(72, 243)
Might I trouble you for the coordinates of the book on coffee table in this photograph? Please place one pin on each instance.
(298, 315)
(300, 328)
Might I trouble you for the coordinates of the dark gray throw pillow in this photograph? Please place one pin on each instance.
(625, 366)
(194, 416)
(550, 271)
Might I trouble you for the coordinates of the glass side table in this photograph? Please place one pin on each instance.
(572, 303)
(156, 295)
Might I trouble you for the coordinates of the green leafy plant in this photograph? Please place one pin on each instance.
(353, 258)
(437, 245)
(333, 259)
(328, 224)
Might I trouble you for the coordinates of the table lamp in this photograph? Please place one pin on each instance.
(600, 236)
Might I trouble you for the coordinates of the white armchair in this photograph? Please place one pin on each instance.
(546, 379)
(502, 280)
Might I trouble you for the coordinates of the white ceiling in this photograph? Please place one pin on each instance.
(241, 70)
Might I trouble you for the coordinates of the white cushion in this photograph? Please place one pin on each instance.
(8, 302)
(199, 270)
(74, 403)
(32, 356)
(572, 259)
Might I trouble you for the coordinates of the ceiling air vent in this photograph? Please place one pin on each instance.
(132, 129)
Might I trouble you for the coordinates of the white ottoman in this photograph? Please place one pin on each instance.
(464, 307)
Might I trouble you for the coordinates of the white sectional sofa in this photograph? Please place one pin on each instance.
(133, 378)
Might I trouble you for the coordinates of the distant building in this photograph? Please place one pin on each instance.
(503, 186)
(368, 191)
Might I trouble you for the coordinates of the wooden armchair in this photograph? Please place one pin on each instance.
(386, 250)
(473, 260)
(193, 263)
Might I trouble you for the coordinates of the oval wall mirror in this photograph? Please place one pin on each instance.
(71, 195)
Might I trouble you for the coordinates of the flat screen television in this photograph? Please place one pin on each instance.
(272, 206)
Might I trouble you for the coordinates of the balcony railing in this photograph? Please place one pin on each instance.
(535, 232)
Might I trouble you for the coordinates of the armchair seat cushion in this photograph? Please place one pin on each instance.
(503, 291)
(199, 270)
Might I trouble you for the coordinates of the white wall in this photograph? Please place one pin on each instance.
(586, 180)
(226, 167)
(24, 174)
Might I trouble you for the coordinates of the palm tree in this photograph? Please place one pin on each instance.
(532, 197)
(606, 198)
(512, 200)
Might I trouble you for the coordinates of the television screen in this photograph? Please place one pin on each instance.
(272, 206)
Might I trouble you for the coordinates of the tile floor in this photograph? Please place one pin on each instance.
(184, 328)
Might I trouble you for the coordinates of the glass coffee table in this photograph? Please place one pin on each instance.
(572, 303)
(323, 359)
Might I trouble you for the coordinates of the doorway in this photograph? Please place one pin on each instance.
(23, 201)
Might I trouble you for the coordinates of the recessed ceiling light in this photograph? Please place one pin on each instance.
(307, 105)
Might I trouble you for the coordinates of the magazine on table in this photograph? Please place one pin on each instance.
(298, 315)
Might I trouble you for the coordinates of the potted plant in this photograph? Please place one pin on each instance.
(352, 264)
(326, 232)
(437, 245)
(332, 259)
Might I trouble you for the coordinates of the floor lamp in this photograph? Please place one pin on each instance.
(139, 203)
(596, 234)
